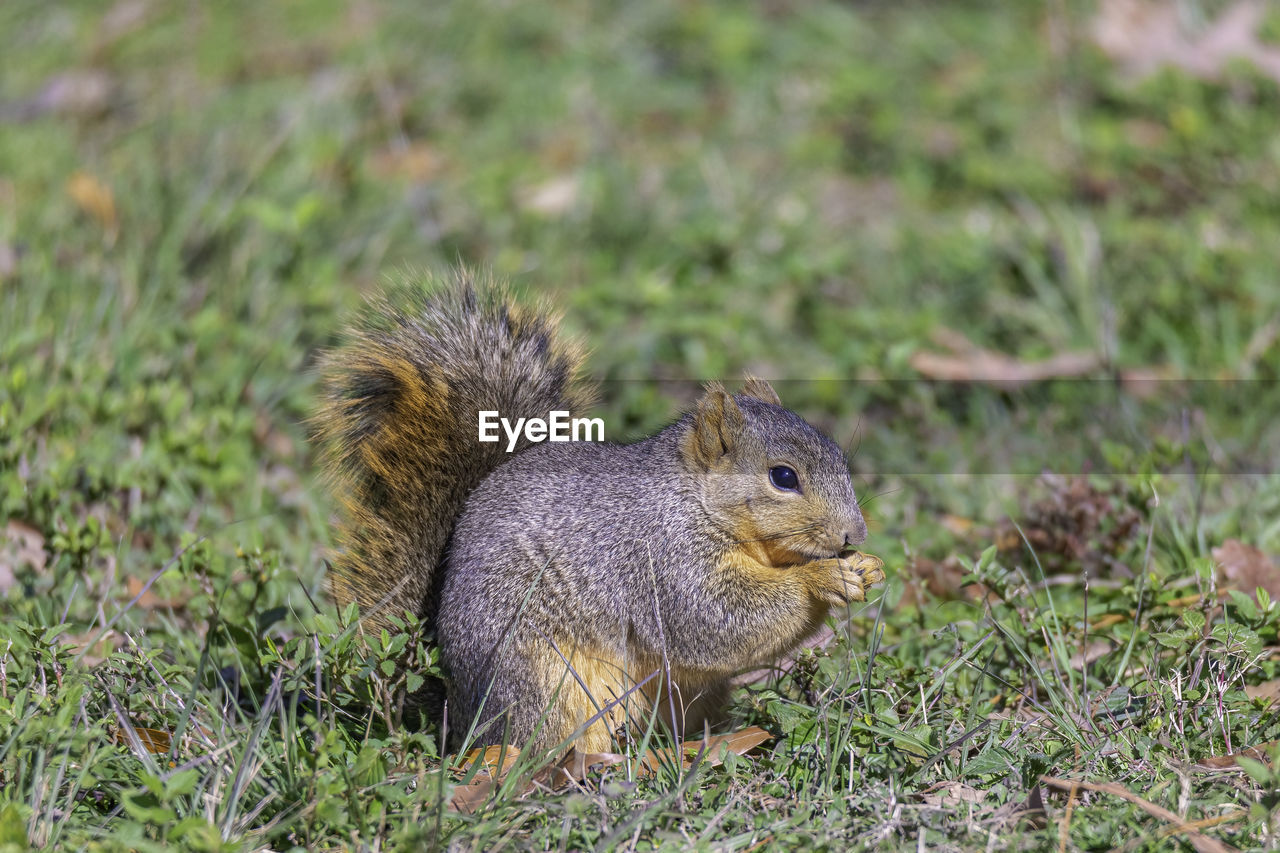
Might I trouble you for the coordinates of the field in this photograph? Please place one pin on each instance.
(1022, 259)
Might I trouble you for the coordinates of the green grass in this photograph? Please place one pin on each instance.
(810, 191)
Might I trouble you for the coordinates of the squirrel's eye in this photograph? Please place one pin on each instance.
(784, 478)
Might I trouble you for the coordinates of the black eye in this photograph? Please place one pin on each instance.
(784, 478)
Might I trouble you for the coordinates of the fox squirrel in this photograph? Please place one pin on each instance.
(573, 586)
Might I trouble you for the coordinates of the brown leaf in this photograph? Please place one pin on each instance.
(155, 741)
(951, 794)
(1145, 35)
(496, 759)
(468, 798)
(21, 545)
(1090, 653)
(1261, 752)
(1245, 568)
(1265, 690)
(94, 198)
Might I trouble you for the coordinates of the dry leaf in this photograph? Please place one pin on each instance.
(94, 198)
(1245, 568)
(1265, 690)
(1145, 35)
(1261, 752)
(22, 545)
(467, 799)
(1091, 653)
(951, 794)
(155, 741)
(497, 759)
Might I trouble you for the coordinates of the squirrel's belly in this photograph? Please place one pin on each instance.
(615, 690)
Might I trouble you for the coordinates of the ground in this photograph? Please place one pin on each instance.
(880, 206)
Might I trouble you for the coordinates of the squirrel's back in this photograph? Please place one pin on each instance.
(398, 424)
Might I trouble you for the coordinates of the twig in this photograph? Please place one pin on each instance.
(1202, 843)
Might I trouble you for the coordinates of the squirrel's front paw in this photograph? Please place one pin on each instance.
(850, 576)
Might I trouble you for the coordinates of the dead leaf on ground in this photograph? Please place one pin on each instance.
(1261, 752)
(154, 741)
(94, 198)
(22, 545)
(151, 601)
(1245, 568)
(1146, 35)
(951, 794)
(1266, 690)
(1091, 653)
(158, 741)
(578, 766)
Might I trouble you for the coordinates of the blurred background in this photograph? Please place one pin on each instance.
(975, 241)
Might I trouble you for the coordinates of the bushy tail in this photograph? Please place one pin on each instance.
(398, 424)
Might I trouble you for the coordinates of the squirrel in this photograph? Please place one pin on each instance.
(573, 587)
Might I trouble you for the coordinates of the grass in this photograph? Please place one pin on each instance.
(817, 192)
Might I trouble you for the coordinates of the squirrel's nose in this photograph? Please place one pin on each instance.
(856, 534)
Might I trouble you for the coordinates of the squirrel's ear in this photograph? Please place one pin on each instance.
(761, 390)
(717, 425)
